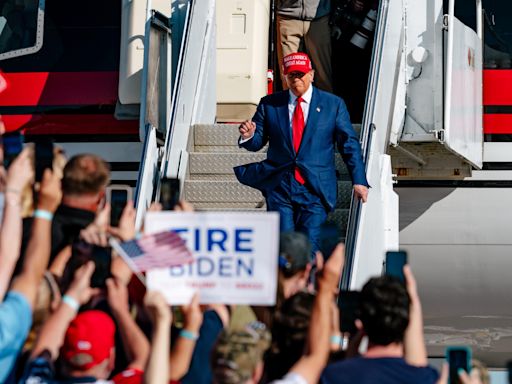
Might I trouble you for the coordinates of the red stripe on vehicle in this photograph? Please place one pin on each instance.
(59, 88)
(497, 87)
(498, 124)
(70, 124)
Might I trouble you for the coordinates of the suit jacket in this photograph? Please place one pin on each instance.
(328, 125)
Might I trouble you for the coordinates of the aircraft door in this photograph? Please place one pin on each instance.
(463, 132)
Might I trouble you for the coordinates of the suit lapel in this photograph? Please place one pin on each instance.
(313, 115)
(284, 121)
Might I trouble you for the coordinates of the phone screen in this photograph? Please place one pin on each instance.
(348, 304)
(83, 252)
(509, 369)
(169, 193)
(118, 200)
(44, 158)
(458, 358)
(102, 257)
(13, 145)
(395, 262)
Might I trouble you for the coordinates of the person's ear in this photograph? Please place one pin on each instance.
(359, 325)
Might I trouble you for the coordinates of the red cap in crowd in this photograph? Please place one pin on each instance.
(296, 62)
(89, 339)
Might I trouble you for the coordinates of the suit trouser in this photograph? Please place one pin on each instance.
(317, 41)
(299, 208)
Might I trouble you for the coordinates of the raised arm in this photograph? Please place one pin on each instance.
(19, 176)
(415, 350)
(310, 366)
(181, 354)
(157, 371)
(38, 250)
(51, 336)
(135, 342)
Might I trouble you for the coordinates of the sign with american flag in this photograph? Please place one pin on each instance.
(235, 257)
(159, 250)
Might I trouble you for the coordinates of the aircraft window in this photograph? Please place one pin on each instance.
(497, 34)
(81, 41)
(21, 23)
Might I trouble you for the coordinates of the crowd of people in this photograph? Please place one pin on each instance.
(61, 321)
(59, 326)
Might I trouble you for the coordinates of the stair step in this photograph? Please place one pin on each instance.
(221, 163)
(216, 134)
(260, 205)
(233, 191)
(225, 149)
(224, 134)
(220, 191)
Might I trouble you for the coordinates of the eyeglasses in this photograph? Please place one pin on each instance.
(293, 75)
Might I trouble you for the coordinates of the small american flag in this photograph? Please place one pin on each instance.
(159, 250)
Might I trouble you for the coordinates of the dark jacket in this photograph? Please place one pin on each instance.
(328, 126)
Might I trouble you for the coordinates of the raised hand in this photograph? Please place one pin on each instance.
(247, 129)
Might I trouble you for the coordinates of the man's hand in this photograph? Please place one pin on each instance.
(361, 192)
(193, 314)
(50, 192)
(80, 288)
(247, 129)
(117, 295)
(126, 229)
(21, 172)
(157, 307)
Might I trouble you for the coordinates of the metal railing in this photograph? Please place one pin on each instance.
(367, 134)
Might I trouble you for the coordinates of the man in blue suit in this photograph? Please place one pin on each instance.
(302, 126)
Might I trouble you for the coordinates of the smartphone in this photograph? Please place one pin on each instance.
(169, 193)
(102, 257)
(43, 158)
(13, 145)
(509, 369)
(395, 262)
(458, 357)
(83, 252)
(117, 196)
(348, 304)
(330, 237)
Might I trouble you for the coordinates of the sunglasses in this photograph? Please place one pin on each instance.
(293, 75)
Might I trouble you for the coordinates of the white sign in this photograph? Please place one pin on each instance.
(235, 257)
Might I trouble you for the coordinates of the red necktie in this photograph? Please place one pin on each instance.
(297, 131)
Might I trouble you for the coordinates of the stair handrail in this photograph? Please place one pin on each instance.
(367, 134)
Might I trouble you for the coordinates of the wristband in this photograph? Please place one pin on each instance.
(336, 339)
(12, 190)
(72, 303)
(189, 335)
(42, 214)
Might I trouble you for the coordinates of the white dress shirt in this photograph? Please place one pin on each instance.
(306, 102)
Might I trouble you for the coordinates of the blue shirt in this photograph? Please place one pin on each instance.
(15, 323)
(388, 370)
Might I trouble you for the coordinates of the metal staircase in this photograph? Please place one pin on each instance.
(211, 184)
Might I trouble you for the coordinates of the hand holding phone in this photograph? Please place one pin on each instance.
(117, 196)
(458, 358)
(169, 193)
(395, 262)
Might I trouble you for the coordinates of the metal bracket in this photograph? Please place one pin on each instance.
(438, 134)
(445, 22)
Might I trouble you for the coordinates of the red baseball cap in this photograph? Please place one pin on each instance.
(296, 62)
(89, 339)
